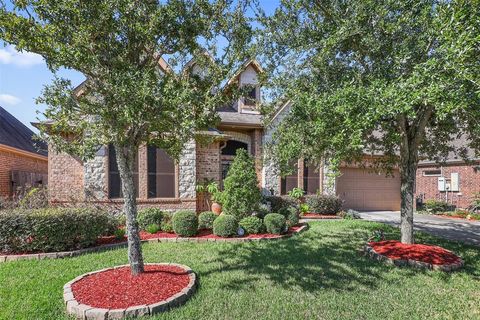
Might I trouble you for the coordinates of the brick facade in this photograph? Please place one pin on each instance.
(469, 183)
(17, 160)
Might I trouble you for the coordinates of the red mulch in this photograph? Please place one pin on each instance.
(319, 216)
(118, 289)
(420, 252)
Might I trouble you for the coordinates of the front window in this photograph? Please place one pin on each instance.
(251, 98)
(289, 181)
(161, 174)
(114, 181)
(311, 178)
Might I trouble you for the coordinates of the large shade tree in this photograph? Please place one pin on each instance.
(131, 96)
(398, 80)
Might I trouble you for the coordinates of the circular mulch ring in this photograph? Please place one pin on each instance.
(113, 293)
(415, 255)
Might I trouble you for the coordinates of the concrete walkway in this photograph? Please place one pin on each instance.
(448, 228)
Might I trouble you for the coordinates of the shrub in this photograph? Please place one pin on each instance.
(185, 223)
(291, 216)
(349, 214)
(434, 206)
(53, 229)
(166, 224)
(119, 234)
(35, 198)
(275, 223)
(278, 203)
(225, 225)
(252, 225)
(152, 228)
(148, 217)
(241, 195)
(324, 204)
(205, 220)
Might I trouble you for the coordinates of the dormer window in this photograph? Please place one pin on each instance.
(251, 98)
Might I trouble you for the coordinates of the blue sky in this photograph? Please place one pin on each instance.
(23, 76)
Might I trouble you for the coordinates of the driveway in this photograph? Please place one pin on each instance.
(448, 228)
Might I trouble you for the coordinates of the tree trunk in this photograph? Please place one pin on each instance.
(125, 161)
(407, 191)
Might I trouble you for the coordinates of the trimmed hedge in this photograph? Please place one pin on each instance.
(278, 203)
(206, 219)
(225, 226)
(185, 223)
(291, 215)
(53, 229)
(252, 225)
(166, 225)
(435, 206)
(324, 204)
(148, 217)
(275, 223)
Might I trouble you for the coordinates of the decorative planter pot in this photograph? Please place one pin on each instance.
(216, 208)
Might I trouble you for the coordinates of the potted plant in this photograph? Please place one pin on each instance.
(212, 195)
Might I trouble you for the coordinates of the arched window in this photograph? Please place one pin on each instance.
(231, 148)
(114, 182)
(161, 174)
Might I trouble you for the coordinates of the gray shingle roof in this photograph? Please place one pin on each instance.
(15, 134)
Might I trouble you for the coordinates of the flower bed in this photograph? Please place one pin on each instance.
(114, 293)
(111, 242)
(416, 255)
(310, 215)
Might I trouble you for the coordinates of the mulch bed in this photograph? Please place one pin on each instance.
(421, 255)
(117, 288)
(319, 216)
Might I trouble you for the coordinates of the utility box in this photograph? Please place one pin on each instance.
(454, 182)
(441, 183)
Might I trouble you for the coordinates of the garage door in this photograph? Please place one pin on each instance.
(364, 190)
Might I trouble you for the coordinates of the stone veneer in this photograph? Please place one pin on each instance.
(187, 171)
(95, 175)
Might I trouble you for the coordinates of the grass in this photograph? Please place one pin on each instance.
(318, 274)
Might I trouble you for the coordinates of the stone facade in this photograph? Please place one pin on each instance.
(469, 183)
(11, 160)
(187, 172)
(95, 175)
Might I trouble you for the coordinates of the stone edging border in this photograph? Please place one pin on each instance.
(106, 247)
(369, 251)
(82, 311)
(321, 217)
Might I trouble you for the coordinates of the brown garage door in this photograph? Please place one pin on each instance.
(364, 190)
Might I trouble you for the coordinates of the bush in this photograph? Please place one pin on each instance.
(349, 214)
(241, 195)
(152, 228)
(185, 223)
(278, 203)
(275, 223)
(119, 234)
(291, 216)
(324, 204)
(148, 217)
(166, 225)
(434, 206)
(225, 225)
(252, 225)
(35, 198)
(205, 220)
(53, 229)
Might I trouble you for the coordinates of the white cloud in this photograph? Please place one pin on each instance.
(9, 99)
(9, 55)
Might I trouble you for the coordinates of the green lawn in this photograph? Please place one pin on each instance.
(318, 274)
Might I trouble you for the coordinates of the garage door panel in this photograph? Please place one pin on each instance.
(364, 190)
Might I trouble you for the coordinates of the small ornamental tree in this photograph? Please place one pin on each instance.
(396, 78)
(241, 194)
(131, 96)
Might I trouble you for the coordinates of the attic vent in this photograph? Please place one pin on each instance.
(432, 173)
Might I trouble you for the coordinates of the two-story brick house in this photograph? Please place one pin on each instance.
(163, 183)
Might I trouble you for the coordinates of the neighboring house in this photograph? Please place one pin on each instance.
(163, 183)
(23, 161)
